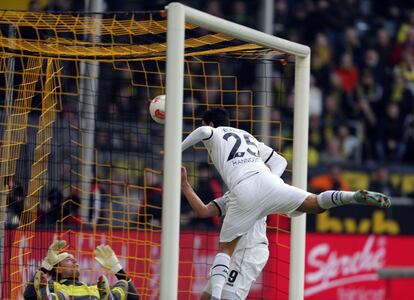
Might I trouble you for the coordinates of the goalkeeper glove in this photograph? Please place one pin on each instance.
(53, 256)
(106, 257)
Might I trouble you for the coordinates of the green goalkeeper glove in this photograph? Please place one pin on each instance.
(106, 257)
(53, 256)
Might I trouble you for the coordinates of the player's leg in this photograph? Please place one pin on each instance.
(207, 296)
(246, 266)
(288, 199)
(221, 266)
(329, 199)
(238, 220)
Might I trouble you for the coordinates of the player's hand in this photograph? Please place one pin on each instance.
(183, 175)
(53, 255)
(40, 284)
(107, 258)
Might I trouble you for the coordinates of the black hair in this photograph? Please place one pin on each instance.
(217, 116)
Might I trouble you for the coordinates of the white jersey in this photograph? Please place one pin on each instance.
(254, 191)
(236, 154)
(255, 236)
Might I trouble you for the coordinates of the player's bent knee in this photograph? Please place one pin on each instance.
(205, 296)
(228, 247)
(311, 205)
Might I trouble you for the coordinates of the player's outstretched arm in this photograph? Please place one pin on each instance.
(107, 258)
(201, 133)
(202, 210)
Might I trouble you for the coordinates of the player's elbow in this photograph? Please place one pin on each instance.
(284, 164)
(202, 214)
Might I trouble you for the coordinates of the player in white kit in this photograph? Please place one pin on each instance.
(247, 168)
(251, 253)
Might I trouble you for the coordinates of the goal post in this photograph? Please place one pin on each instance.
(81, 155)
(178, 14)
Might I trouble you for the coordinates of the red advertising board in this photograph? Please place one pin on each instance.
(140, 254)
(342, 267)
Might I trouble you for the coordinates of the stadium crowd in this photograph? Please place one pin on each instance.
(362, 72)
(362, 85)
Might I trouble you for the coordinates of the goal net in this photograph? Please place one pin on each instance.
(80, 156)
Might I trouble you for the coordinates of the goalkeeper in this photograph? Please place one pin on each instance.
(58, 278)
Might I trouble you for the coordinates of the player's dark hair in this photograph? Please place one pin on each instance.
(217, 116)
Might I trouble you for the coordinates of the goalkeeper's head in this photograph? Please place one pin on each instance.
(66, 268)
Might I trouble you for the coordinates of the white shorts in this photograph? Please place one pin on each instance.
(256, 197)
(245, 266)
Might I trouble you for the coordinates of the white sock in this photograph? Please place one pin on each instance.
(329, 199)
(219, 273)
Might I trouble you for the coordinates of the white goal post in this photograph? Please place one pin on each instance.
(178, 14)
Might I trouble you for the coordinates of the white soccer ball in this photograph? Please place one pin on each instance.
(157, 109)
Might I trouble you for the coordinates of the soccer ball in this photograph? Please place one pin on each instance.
(157, 109)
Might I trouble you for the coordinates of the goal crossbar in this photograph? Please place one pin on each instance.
(178, 14)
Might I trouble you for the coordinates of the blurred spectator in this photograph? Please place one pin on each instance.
(406, 68)
(316, 138)
(35, 5)
(99, 203)
(381, 182)
(328, 17)
(15, 204)
(390, 145)
(369, 90)
(315, 99)
(332, 116)
(244, 111)
(151, 210)
(369, 97)
(409, 137)
(349, 75)
(321, 73)
(50, 210)
(406, 44)
(239, 13)
(351, 45)
(399, 94)
(383, 46)
(71, 211)
(59, 5)
(390, 10)
(369, 120)
(332, 180)
(322, 49)
(121, 213)
(213, 7)
(127, 103)
(281, 17)
(350, 145)
(299, 19)
(332, 152)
